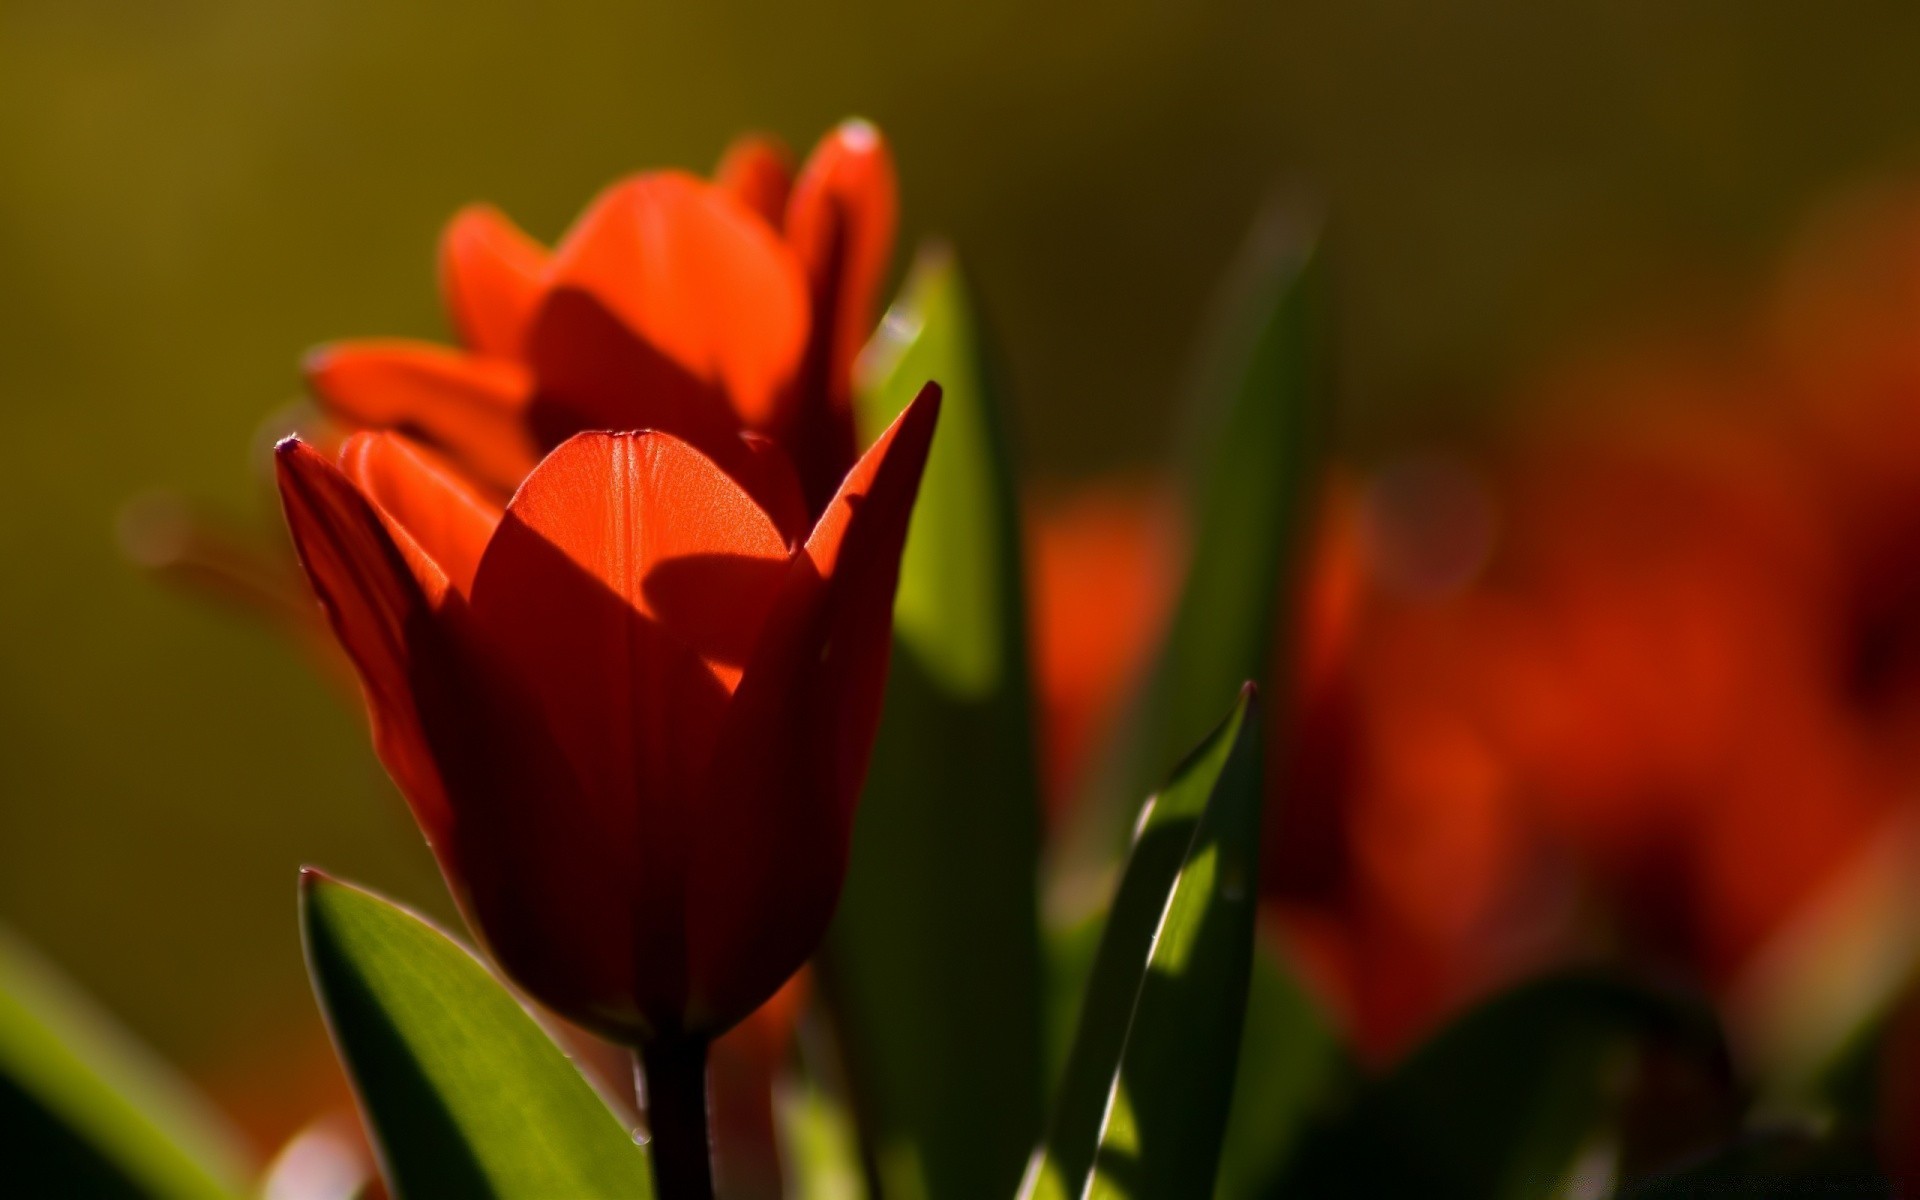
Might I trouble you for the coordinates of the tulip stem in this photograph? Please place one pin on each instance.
(675, 1075)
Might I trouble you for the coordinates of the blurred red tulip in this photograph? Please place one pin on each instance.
(726, 314)
(1104, 564)
(630, 710)
(1641, 681)
(1674, 704)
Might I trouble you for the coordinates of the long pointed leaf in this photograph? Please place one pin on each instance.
(85, 1111)
(466, 1095)
(1261, 410)
(1143, 1106)
(933, 960)
(1293, 1067)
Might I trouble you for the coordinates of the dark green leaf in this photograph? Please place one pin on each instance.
(934, 957)
(1252, 490)
(1143, 1105)
(1293, 1065)
(933, 961)
(1498, 1104)
(1260, 410)
(85, 1111)
(465, 1093)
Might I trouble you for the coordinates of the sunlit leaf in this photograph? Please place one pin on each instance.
(466, 1095)
(1143, 1105)
(933, 960)
(818, 1142)
(86, 1111)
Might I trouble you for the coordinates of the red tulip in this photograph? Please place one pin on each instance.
(727, 314)
(630, 711)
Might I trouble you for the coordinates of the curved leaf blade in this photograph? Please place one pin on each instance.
(933, 962)
(1293, 1066)
(464, 1092)
(1261, 411)
(86, 1111)
(1143, 1106)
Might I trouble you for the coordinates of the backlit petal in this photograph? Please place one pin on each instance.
(778, 814)
(841, 223)
(624, 589)
(595, 376)
(380, 612)
(758, 172)
(471, 409)
(416, 490)
(491, 277)
(700, 279)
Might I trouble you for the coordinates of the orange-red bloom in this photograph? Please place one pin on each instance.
(726, 313)
(1101, 561)
(1641, 682)
(1669, 713)
(630, 709)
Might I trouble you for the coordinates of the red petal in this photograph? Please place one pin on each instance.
(596, 375)
(378, 609)
(473, 410)
(623, 591)
(491, 276)
(841, 223)
(757, 171)
(769, 478)
(779, 801)
(427, 501)
(692, 274)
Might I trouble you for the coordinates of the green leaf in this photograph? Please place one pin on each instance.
(933, 962)
(1260, 410)
(1498, 1105)
(1143, 1105)
(86, 1111)
(818, 1142)
(465, 1093)
(1293, 1066)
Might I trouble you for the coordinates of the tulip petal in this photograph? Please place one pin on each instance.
(623, 590)
(787, 770)
(758, 172)
(595, 374)
(379, 610)
(691, 273)
(841, 223)
(471, 409)
(426, 500)
(491, 276)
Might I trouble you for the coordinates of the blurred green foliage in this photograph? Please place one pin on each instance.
(193, 191)
(932, 966)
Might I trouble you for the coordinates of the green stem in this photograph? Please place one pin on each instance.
(675, 1073)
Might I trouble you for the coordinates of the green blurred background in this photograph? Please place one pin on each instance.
(191, 193)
